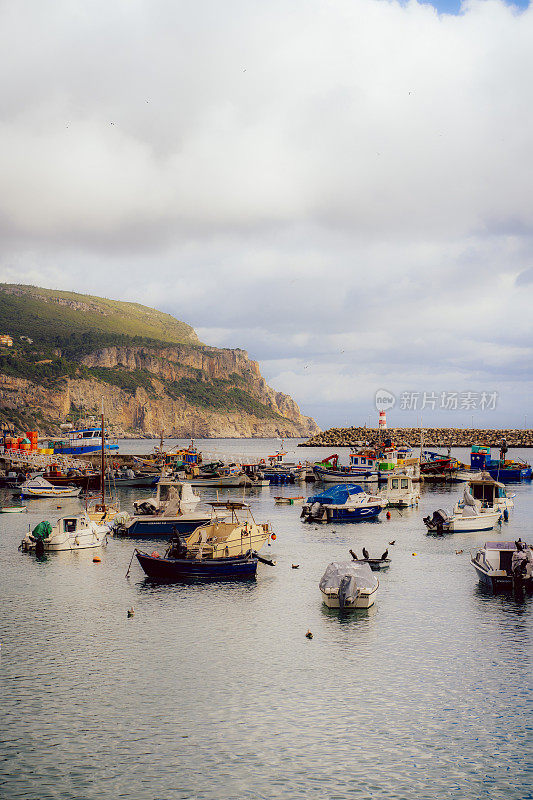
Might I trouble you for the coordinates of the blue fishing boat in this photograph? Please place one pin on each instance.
(501, 469)
(342, 503)
(86, 440)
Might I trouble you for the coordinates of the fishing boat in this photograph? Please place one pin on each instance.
(13, 509)
(401, 492)
(503, 564)
(501, 469)
(347, 585)
(491, 494)
(225, 477)
(342, 503)
(40, 487)
(170, 513)
(76, 532)
(84, 478)
(214, 551)
(362, 468)
(126, 477)
(85, 440)
(469, 518)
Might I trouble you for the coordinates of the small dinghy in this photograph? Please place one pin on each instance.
(13, 509)
(374, 563)
(290, 501)
(348, 585)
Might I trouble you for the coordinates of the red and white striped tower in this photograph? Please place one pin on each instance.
(382, 422)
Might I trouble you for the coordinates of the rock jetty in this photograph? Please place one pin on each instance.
(433, 437)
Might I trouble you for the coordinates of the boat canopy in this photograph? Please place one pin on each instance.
(337, 494)
(37, 483)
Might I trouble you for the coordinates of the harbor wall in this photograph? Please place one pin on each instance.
(433, 437)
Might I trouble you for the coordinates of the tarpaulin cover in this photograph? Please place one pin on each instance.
(337, 494)
(42, 530)
(335, 572)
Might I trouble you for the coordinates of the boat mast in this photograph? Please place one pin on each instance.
(102, 465)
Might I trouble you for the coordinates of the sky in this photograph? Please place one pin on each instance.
(344, 189)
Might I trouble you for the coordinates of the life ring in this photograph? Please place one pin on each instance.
(79, 436)
(262, 461)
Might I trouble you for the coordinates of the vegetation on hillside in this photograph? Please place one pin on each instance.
(65, 326)
(219, 395)
(87, 323)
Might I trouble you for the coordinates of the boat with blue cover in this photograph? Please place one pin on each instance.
(342, 503)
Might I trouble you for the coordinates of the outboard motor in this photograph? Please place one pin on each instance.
(344, 586)
(437, 521)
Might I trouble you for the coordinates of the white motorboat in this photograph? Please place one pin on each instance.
(500, 564)
(170, 513)
(76, 532)
(468, 518)
(491, 494)
(40, 487)
(401, 492)
(348, 585)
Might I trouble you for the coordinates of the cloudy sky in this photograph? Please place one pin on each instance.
(342, 188)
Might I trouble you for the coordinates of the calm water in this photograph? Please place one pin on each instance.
(214, 692)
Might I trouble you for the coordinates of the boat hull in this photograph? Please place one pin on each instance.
(161, 527)
(44, 493)
(510, 475)
(169, 570)
(364, 600)
(336, 476)
(340, 514)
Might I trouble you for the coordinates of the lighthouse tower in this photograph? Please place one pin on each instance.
(382, 422)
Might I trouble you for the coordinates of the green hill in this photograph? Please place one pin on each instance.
(79, 323)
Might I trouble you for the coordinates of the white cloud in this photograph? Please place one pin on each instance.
(341, 185)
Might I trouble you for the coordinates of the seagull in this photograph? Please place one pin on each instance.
(393, 542)
(353, 555)
(365, 553)
(385, 554)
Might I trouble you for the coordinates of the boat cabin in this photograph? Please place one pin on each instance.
(69, 524)
(487, 491)
(174, 491)
(364, 461)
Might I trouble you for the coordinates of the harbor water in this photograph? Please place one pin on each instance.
(213, 691)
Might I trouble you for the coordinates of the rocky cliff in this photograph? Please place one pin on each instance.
(173, 378)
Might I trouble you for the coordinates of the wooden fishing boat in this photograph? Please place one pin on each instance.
(214, 551)
(13, 509)
(168, 569)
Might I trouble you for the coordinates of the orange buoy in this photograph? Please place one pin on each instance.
(96, 559)
(272, 535)
(388, 514)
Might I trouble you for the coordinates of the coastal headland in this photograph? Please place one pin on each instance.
(432, 437)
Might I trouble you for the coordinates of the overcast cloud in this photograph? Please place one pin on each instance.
(344, 189)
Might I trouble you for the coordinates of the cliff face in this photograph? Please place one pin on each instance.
(147, 412)
(70, 350)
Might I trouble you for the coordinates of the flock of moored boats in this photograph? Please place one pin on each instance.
(225, 540)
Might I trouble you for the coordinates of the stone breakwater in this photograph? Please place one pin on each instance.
(433, 437)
